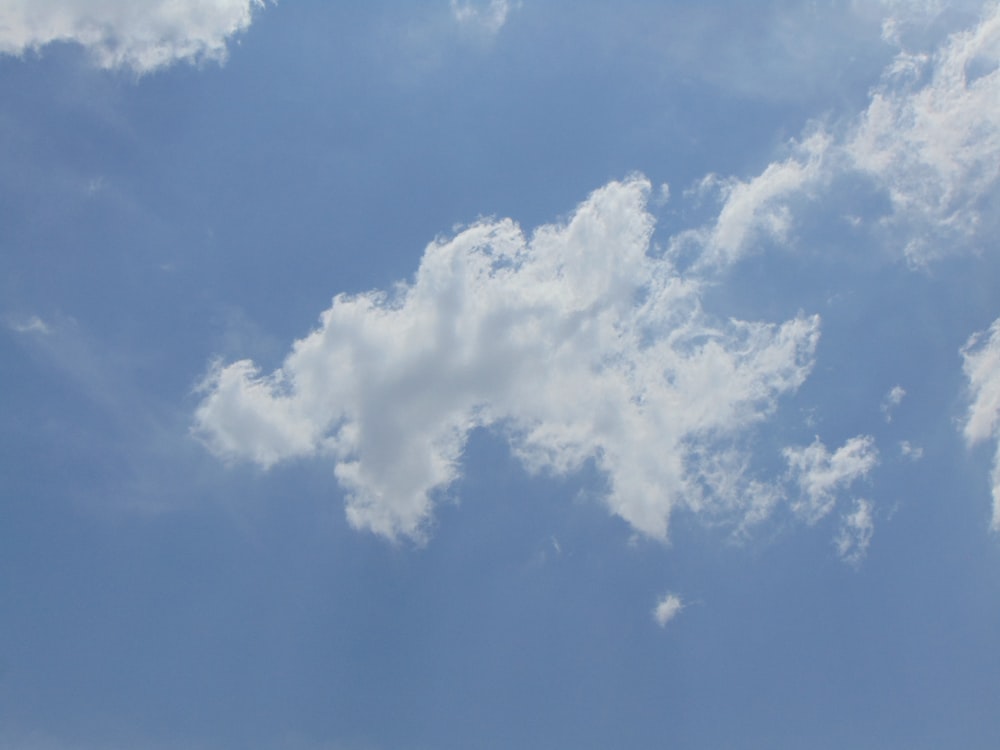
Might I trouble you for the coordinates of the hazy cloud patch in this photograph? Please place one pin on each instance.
(30, 324)
(855, 534)
(488, 17)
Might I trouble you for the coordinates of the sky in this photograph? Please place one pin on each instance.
(494, 374)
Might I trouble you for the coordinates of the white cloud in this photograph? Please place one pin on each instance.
(30, 324)
(981, 356)
(855, 535)
(575, 343)
(931, 137)
(489, 17)
(910, 451)
(142, 35)
(667, 609)
(820, 475)
(759, 208)
(892, 399)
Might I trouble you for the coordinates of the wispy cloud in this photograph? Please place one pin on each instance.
(141, 36)
(910, 451)
(981, 356)
(489, 17)
(821, 475)
(759, 208)
(576, 343)
(28, 324)
(892, 399)
(855, 535)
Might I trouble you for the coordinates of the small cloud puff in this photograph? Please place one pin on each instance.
(892, 399)
(142, 36)
(855, 535)
(910, 451)
(667, 609)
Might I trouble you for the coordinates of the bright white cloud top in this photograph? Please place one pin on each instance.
(142, 35)
(577, 343)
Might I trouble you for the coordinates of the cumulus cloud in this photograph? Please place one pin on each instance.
(489, 17)
(981, 356)
(576, 343)
(821, 475)
(667, 608)
(855, 535)
(142, 35)
(931, 137)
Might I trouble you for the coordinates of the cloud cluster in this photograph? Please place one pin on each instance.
(142, 35)
(579, 344)
(981, 356)
(576, 343)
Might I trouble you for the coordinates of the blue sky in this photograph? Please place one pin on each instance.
(499, 374)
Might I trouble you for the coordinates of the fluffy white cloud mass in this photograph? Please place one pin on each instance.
(931, 136)
(576, 343)
(667, 609)
(982, 368)
(139, 34)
